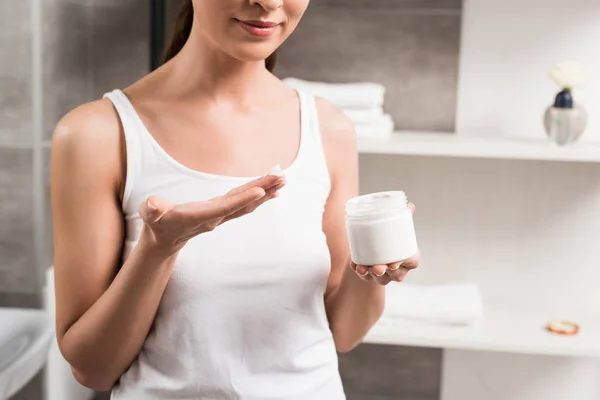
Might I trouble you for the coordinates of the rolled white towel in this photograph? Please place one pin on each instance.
(343, 95)
(364, 116)
(450, 304)
(380, 127)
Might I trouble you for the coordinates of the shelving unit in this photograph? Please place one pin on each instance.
(456, 145)
(499, 331)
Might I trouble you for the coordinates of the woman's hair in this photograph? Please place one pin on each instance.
(181, 33)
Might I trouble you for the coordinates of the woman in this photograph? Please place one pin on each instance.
(178, 276)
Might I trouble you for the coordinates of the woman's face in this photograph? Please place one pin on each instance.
(248, 30)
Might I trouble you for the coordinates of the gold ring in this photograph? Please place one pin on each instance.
(562, 328)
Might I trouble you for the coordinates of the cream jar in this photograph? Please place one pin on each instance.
(380, 228)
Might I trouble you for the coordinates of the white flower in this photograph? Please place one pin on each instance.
(568, 74)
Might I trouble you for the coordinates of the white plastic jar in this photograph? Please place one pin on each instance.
(380, 228)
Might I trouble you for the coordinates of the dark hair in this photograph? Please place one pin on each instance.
(182, 30)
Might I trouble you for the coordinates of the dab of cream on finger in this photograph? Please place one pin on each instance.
(276, 171)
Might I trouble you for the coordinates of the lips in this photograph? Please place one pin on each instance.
(258, 28)
(260, 24)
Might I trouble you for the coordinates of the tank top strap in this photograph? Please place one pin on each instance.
(312, 145)
(134, 141)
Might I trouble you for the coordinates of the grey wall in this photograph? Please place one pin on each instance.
(88, 47)
(93, 46)
(17, 256)
(374, 372)
(20, 151)
(85, 53)
(410, 46)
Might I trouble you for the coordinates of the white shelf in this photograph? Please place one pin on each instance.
(499, 331)
(456, 145)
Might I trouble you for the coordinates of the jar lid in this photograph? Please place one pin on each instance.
(376, 203)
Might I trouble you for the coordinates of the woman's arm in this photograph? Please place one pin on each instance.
(103, 312)
(353, 303)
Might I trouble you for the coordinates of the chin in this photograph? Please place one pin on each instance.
(253, 53)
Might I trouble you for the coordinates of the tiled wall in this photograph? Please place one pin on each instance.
(85, 54)
(374, 372)
(91, 47)
(410, 46)
(17, 261)
(19, 280)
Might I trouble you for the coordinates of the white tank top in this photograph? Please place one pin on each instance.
(243, 315)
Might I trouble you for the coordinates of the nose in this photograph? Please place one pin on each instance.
(268, 5)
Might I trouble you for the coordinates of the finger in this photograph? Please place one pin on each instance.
(265, 182)
(394, 266)
(397, 275)
(153, 209)
(269, 195)
(383, 280)
(413, 262)
(278, 185)
(363, 272)
(378, 270)
(219, 207)
(230, 204)
(412, 207)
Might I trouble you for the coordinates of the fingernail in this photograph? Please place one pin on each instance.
(395, 267)
(379, 275)
(151, 206)
(361, 268)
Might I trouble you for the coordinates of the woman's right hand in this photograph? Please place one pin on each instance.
(169, 227)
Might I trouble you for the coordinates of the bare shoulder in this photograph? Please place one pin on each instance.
(89, 139)
(88, 125)
(335, 125)
(337, 131)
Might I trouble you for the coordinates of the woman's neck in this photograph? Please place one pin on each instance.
(201, 69)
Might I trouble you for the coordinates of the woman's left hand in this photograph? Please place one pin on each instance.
(384, 274)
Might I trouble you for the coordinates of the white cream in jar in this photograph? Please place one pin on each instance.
(380, 228)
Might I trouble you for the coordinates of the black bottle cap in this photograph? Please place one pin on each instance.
(564, 99)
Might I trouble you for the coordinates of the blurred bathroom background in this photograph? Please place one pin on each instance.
(473, 67)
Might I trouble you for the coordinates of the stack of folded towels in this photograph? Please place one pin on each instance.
(361, 102)
(457, 303)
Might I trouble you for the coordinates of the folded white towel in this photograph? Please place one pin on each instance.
(380, 127)
(343, 95)
(453, 304)
(364, 116)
